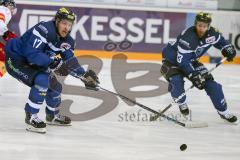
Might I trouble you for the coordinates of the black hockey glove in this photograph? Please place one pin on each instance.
(229, 52)
(198, 80)
(56, 64)
(90, 80)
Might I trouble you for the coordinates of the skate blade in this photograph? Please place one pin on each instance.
(232, 123)
(36, 130)
(57, 124)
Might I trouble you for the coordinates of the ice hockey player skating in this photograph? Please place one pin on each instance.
(32, 60)
(7, 9)
(180, 59)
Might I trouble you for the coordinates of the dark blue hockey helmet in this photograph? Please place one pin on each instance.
(8, 3)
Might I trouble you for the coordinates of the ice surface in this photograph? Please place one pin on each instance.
(109, 138)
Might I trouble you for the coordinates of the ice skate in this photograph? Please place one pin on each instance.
(34, 124)
(184, 109)
(230, 118)
(58, 120)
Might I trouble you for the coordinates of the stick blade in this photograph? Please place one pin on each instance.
(196, 124)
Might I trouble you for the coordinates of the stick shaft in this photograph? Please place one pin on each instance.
(145, 107)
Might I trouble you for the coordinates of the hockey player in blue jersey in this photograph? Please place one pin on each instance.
(180, 59)
(32, 60)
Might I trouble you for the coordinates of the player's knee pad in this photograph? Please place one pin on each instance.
(176, 86)
(41, 83)
(176, 82)
(42, 79)
(212, 86)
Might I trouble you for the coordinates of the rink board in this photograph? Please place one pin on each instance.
(148, 29)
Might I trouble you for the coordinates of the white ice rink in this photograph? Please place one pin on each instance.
(108, 138)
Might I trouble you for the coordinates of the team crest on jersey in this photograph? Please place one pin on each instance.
(199, 51)
(65, 46)
(185, 43)
(210, 39)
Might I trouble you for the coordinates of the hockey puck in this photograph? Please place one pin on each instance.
(183, 147)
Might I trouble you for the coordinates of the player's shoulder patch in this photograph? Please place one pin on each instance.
(43, 28)
(184, 43)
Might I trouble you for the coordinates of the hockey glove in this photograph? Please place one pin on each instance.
(229, 52)
(56, 64)
(63, 70)
(90, 80)
(198, 80)
(9, 35)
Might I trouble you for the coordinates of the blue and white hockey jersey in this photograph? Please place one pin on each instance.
(189, 47)
(40, 43)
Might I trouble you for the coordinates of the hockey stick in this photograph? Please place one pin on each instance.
(186, 125)
(155, 117)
